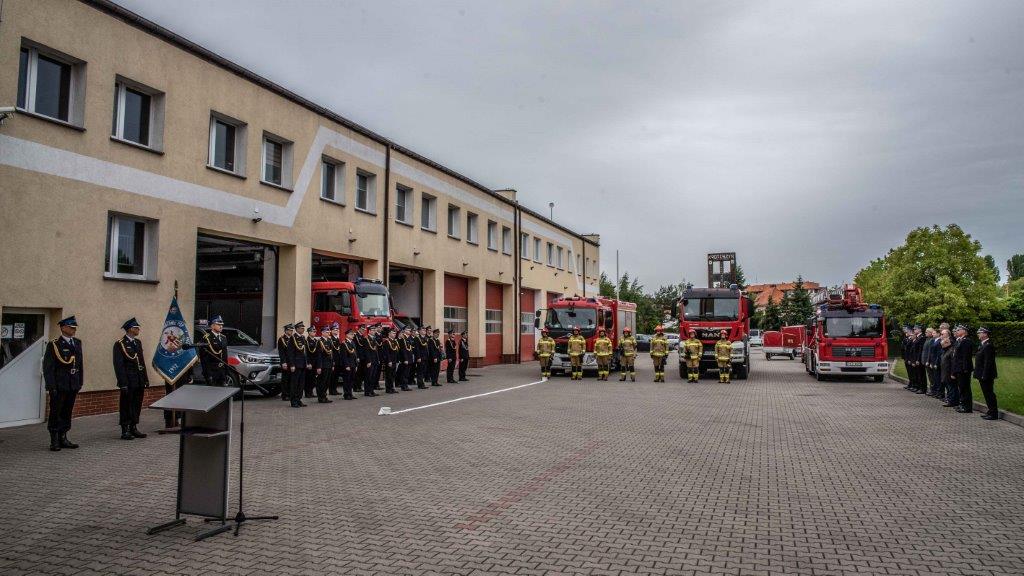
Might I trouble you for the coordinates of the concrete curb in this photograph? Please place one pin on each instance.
(1015, 419)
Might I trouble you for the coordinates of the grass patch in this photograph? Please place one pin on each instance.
(1009, 385)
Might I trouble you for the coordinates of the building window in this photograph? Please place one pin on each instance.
(492, 321)
(456, 319)
(227, 144)
(277, 161)
(51, 84)
(453, 221)
(492, 235)
(366, 192)
(403, 204)
(561, 265)
(524, 246)
(526, 322)
(506, 240)
(332, 180)
(551, 254)
(428, 213)
(579, 265)
(536, 250)
(131, 247)
(138, 114)
(472, 232)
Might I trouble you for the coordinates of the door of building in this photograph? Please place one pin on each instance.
(23, 333)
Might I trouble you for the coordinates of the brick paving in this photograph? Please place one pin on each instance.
(779, 474)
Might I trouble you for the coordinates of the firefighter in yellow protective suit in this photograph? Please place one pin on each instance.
(659, 352)
(577, 348)
(603, 350)
(723, 354)
(627, 355)
(692, 349)
(545, 351)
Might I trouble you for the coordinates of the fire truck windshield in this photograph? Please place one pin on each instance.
(564, 319)
(853, 327)
(712, 309)
(373, 304)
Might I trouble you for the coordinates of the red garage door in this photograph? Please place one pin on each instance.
(493, 322)
(456, 301)
(527, 309)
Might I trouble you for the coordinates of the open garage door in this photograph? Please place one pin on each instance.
(406, 286)
(328, 268)
(237, 280)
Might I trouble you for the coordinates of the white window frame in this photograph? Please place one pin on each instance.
(76, 83)
(526, 323)
(454, 221)
(156, 113)
(241, 133)
(149, 246)
(472, 228)
(428, 210)
(338, 180)
(537, 254)
(506, 240)
(456, 319)
(561, 262)
(493, 321)
(286, 161)
(524, 246)
(371, 192)
(579, 265)
(404, 198)
(492, 235)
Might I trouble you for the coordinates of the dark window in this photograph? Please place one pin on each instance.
(273, 152)
(224, 145)
(22, 77)
(136, 116)
(566, 319)
(853, 327)
(712, 309)
(53, 88)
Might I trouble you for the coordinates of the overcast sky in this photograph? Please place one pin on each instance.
(808, 137)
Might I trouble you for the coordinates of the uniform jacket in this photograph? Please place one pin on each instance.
(576, 346)
(324, 355)
(659, 346)
(392, 352)
(627, 345)
(130, 364)
(464, 349)
(946, 364)
(916, 350)
(603, 347)
(349, 356)
(298, 352)
(405, 351)
(284, 349)
(963, 351)
(213, 352)
(985, 361)
(434, 349)
(723, 350)
(449, 349)
(62, 365)
(422, 348)
(546, 346)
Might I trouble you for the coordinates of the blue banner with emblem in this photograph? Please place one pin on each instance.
(170, 360)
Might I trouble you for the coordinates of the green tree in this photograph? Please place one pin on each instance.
(771, 317)
(605, 287)
(1015, 267)
(796, 306)
(992, 266)
(937, 274)
(741, 279)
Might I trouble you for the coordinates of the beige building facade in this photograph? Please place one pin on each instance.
(137, 160)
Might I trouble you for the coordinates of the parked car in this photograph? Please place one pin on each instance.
(260, 363)
(643, 342)
(756, 337)
(673, 340)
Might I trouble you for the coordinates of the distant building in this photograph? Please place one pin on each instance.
(765, 293)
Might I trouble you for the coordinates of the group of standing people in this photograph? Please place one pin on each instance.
(319, 361)
(941, 363)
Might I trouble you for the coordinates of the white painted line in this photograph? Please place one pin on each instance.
(386, 410)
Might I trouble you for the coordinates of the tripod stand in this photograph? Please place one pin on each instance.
(240, 517)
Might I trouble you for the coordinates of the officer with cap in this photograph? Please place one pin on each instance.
(659, 352)
(463, 356)
(213, 353)
(627, 355)
(692, 349)
(603, 352)
(370, 360)
(132, 379)
(723, 355)
(450, 354)
(545, 351)
(335, 345)
(284, 351)
(576, 348)
(324, 365)
(963, 356)
(915, 366)
(985, 373)
(434, 354)
(62, 372)
(300, 364)
(391, 359)
(349, 364)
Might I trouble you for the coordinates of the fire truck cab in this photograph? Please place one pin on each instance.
(351, 304)
(846, 337)
(589, 315)
(710, 310)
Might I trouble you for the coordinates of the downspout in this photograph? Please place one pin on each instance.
(584, 266)
(385, 272)
(517, 282)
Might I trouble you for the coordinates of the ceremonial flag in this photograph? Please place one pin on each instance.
(170, 360)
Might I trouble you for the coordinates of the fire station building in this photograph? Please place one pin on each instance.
(137, 159)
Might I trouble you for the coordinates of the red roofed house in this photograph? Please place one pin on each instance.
(763, 293)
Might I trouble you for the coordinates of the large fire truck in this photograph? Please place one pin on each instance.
(351, 304)
(846, 337)
(588, 314)
(710, 310)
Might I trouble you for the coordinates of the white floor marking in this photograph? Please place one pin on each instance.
(386, 410)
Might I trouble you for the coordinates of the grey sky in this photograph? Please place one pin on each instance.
(809, 137)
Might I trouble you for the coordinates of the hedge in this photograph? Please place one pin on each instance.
(1007, 336)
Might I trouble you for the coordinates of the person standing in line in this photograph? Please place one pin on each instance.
(905, 344)
(299, 364)
(63, 363)
(963, 355)
(450, 354)
(336, 350)
(422, 357)
(916, 370)
(435, 353)
(348, 365)
(284, 343)
(723, 356)
(324, 366)
(603, 352)
(627, 355)
(931, 357)
(986, 374)
(545, 349)
(213, 354)
(370, 360)
(314, 351)
(132, 379)
(463, 356)
(946, 370)
(391, 359)
(406, 360)
(576, 348)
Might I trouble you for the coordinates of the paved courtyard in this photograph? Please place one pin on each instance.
(775, 475)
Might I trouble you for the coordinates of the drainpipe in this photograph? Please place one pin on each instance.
(584, 266)
(385, 272)
(517, 281)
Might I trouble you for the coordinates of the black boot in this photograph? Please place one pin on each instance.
(125, 434)
(65, 443)
(54, 441)
(135, 432)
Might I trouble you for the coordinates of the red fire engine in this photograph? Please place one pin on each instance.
(710, 310)
(846, 337)
(587, 314)
(351, 304)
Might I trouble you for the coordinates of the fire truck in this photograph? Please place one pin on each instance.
(351, 304)
(588, 314)
(846, 337)
(710, 310)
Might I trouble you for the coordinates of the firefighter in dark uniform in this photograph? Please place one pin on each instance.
(420, 346)
(324, 365)
(62, 372)
(299, 364)
(450, 352)
(349, 364)
(370, 361)
(963, 366)
(335, 340)
(313, 350)
(905, 344)
(985, 372)
(435, 353)
(284, 343)
(463, 356)
(406, 360)
(723, 356)
(391, 358)
(213, 354)
(132, 379)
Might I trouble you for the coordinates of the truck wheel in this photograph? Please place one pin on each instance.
(878, 378)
